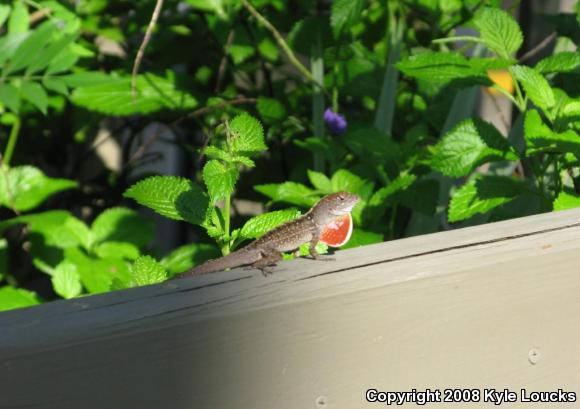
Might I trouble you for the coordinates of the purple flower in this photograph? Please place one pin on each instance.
(336, 123)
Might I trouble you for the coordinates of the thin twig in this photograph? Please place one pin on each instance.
(543, 44)
(224, 61)
(141, 52)
(281, 42)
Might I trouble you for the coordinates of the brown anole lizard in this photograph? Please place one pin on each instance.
(267, 250)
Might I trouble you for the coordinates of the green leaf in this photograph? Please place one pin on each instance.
(566, 201)
(220, 179)
(214, 6)
(536, 86)
(320, 181)
(97, 275)
(247, 135)
(185, 257)
(289, 192)
(49, 53)
(500, 32)
(362, 238)
(153, 93)
(19, 19)
(29, 48)
(483, 194)
(171, 196)
(55, 84)
(263, 223)
(28, 187)
(81, 231)
(345, 181)
(63, 62)
(468, 145)
(117, 249)
(271, 110)
(566, 61)
(540, 138)
(11, 298)
(344, 14)
(4, 13)
(52, 226)
(66, 280)
(443, 67)
(122, 225)
(34, 93)
(146, 270)
(10, 97)
(399, 184)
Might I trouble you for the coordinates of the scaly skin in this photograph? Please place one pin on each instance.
(268, 249)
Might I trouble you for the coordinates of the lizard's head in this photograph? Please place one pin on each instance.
(336, 204)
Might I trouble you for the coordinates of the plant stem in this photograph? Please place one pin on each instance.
(14, 132)
(227, 209)
(317, 66)
(458, 38)
(281, 42)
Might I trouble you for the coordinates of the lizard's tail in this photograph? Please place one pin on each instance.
(235, 259)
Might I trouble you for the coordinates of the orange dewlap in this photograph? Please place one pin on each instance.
(337, 232)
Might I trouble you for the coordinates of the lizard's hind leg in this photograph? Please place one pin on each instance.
(269, 259)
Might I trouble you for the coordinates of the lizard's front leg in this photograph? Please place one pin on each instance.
(269, 259)
(313, 253)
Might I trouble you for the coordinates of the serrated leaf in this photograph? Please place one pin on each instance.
(289, 192)
(468, 145)
(385, 196)
(185, 257)
(247, 135)
(146, 270)
(219, 179)
(535, 85)
(66, 280)
(34, 93)
(500, 32)
(443, 67)
(28, 187)
(540, 137)
(171, 196)
(10, 97)
(263, 223)
(154, 93)
(566, 61)
(117, 249)
(28, 50)
(122, 225)
(566, 201)
(483, 194)
(19, 19)
(320, 181)
(11, 298)
(344, 14)
(270, 109)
